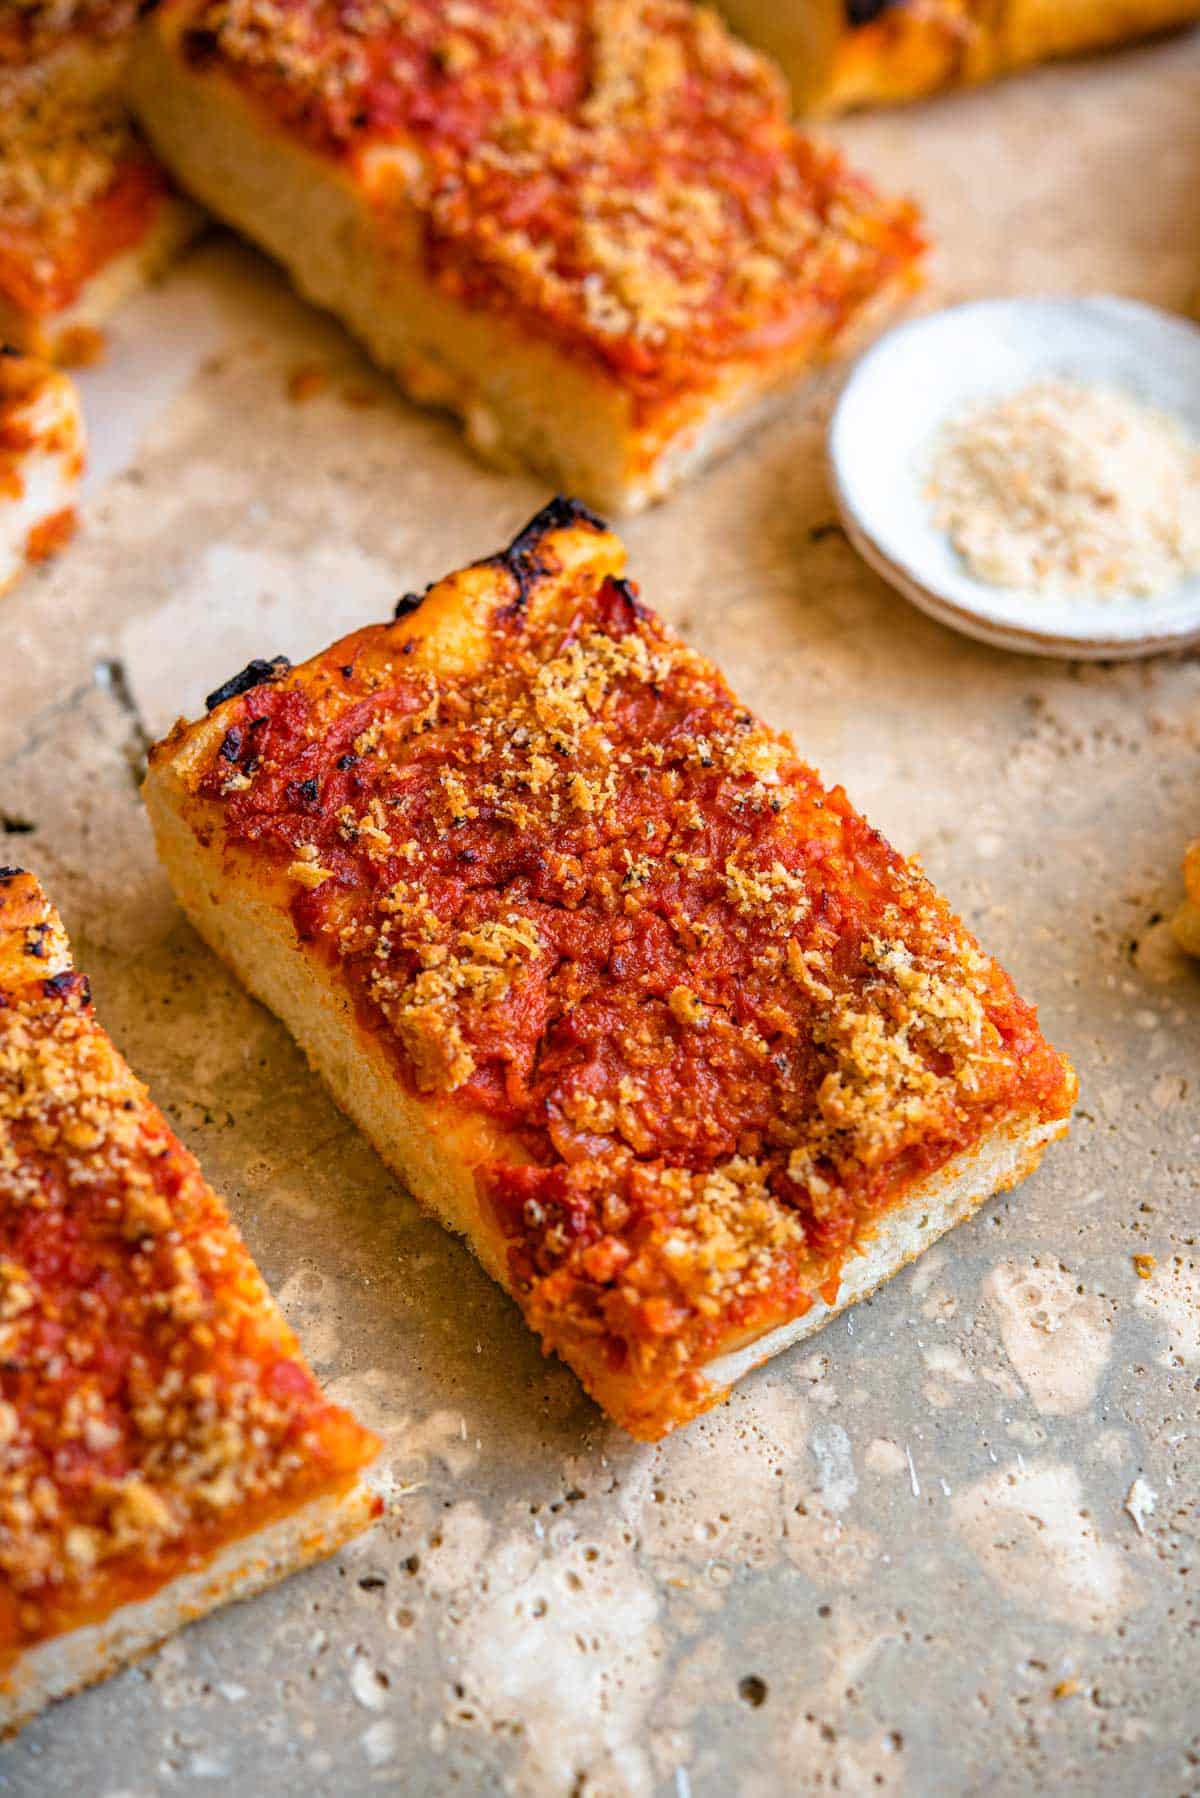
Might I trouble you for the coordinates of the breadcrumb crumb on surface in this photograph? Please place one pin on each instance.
(51, 535)
(306, 381)
(1140, 1502)
(1070, 490)
(42, 451)
(82, 346)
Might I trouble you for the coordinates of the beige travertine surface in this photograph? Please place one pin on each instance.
(875, 1568)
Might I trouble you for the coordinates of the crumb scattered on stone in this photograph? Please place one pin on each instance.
(1140, 1501)
(359, 395)
(306, 381)
(83, 346)
(1145, 1265)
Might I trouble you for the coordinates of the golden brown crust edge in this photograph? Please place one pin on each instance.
(909, 53)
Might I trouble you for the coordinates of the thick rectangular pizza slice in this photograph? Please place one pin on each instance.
(42, 449)
(655, 1020)
(838, 54)
(586, 226)
(86, 213)
(163, 1446)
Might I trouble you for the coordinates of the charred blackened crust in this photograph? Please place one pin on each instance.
(254, 674)
(523, 558)
(38, 940)
(559, 514)
(861, 12)
(627, 592)
(69, 984)
(200, 47)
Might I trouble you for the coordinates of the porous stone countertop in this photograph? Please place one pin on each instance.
(901, 1558)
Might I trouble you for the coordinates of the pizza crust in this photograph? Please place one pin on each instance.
(908, 51)
(67, 1664)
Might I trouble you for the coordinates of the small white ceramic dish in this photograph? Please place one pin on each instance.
(926, 374)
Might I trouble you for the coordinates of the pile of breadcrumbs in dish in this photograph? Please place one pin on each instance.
(1072, 490)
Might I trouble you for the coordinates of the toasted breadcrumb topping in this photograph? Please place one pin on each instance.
(725, 1024)
(153, 1404)
(620, 174)
(59, 145)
